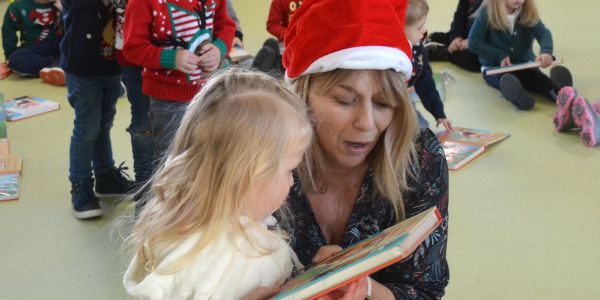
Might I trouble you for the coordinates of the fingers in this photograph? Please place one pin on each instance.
(325, 252)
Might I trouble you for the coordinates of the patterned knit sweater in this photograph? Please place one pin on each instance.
(154, 31)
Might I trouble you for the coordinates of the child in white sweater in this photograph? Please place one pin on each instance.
(206, 231)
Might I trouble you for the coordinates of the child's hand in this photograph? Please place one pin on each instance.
(446, 122)
(464, 45)
(58, 5)
(186, 61)
(210, 57)
(505, 62)
(237, 42)
(455, 45)
(544, 59)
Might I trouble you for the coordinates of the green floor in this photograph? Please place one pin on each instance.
(524, 216)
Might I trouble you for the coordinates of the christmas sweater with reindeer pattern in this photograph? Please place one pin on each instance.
(155, 29)
(35, 22)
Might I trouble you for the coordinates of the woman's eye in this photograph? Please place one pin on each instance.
(344, 101)
(382, 104)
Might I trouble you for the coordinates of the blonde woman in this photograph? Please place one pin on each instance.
(503, 35)
(204, 234)
(369, 165)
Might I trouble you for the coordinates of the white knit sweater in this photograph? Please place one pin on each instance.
(228, 268)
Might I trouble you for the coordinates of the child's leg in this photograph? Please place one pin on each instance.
(165, 117)
(466, 60)
(140, 129)
(28, 61)
(536, 81)
(511, 89)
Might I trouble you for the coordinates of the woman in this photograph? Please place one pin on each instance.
(369, 166)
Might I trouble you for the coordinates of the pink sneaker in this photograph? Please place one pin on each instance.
(588, 120)
(54, 76)
(563, 119)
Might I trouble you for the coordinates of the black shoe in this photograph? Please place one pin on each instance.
(265, 60)
(114, 183)
(439, 37)
(513, 91)
(561, 77)
(278, 71)
(273, 44)
(85, 204)
(437, 51)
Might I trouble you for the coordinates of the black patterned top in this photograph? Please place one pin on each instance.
(424, 275)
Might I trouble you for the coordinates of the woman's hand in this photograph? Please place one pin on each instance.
(446, 122)
(210, 57)
(506, 62)
(186, 61)
(325, 252)
(544, 59)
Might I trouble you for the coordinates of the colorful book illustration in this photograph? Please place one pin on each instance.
(458, 154)
(373, 254)
(238, 54)
(10, 164)
(517, 67)
(439, 86)
(4, 147)
(9, 186)
(464, 144)
(26, 106)
(3, 130)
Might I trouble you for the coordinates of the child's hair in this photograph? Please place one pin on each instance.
(235, 132)
(417, 10)
(497, 14)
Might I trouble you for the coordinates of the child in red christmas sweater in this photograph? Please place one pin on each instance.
(280, 14)
(177, 42)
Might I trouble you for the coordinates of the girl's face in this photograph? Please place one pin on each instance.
(416, 31)
(513, 5)
(267, 195)
(350, 118)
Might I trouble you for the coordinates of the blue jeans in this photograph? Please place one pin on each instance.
(140, 129)
(165, 116)
(94, 100)
(29, 60)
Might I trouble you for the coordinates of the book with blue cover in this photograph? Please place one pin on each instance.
(26, 106)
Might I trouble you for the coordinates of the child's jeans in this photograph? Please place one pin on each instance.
(29, 60)
(531, 79)
(165, 116)
(142, 144)
(94, 101)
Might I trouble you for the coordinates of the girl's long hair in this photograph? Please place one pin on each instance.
(497, 15)
(235, 132)
(392, 156)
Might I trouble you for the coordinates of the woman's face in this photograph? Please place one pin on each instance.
(350, 118)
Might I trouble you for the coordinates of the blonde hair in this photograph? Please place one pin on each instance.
(392, 156)
(497, 15)
(237, 131)
(416, 10)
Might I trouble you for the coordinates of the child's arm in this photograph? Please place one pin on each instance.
(10, 26)
(274, 22)
(477, 40)
(544, 38)
(223, 31)
(460, 23)
(429, 95)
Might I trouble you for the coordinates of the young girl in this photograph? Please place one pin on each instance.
(503, 35)
(204, 233)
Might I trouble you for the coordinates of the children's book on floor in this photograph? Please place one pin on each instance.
(3, 129)
(10, 164)
(9, 186)
(464, 144)
(361, 259)
(26, 106)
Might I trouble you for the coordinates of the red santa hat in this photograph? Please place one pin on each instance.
(325, 35)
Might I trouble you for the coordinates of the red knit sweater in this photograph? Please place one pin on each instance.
(280, 14)
(152, 27)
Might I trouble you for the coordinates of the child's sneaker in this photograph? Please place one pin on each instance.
(588, 120)
(114, 183)
(85, 204)
(265, 60)
(54, 76)
(513, 91)
(561, 76)
(5, 71)
(563, 117)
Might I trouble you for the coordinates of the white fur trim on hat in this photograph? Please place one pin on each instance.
(363, 58)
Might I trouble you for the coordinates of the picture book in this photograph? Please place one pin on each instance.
(9, 186)
(517, 67)
(3, 130)
(472, 136)
(361, 259)
(439, 86)
(238, 54)
(26, 106)
(4, 147)
(458, 154)
(10, 164)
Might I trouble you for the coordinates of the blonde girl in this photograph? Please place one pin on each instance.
(204, 233)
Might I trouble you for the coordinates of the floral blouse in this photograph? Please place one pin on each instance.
(424, 275)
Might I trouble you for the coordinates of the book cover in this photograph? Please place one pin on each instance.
(4, 147)
(458, 154)
(517, 67)
(10, 164)
(472, 136)
(361, 259)
(9, 186)
(26, 106)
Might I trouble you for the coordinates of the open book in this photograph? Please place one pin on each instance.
(361, 259)
(9, 186)
(26, 106)
(464, 144)
(517, 67)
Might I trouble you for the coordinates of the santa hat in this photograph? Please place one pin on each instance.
(325, 35)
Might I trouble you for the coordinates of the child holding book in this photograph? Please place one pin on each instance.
(93, 81)
(422, 75)
(31, 35)
(503, 35)
(207, 232)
